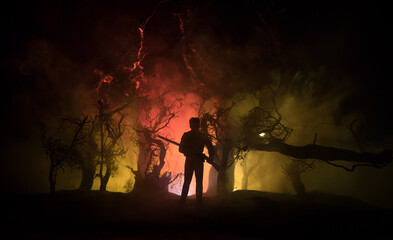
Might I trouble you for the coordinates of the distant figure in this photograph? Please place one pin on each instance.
(192, 145)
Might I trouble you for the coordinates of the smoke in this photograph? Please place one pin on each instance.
(315, 115)
(167, 84)
(329, 72)
(322, 97)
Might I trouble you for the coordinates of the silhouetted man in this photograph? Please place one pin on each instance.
(192, 145)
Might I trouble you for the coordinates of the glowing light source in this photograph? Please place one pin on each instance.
(262, 134)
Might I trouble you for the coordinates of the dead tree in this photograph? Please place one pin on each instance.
(294, 170)
(219, 129)
(263, 132)
(326, 154)
(89, 150)
(155, 116)
(247, 171)
(110, 133)
(61, 153)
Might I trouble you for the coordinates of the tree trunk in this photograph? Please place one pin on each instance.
(52, 177)
(101, 151)
(105, 178)
(141, 166)
(161, 145)
(245, 175)
(87, 180)
(143, 153)
(222, 174)
(156, 181)
(294, 174)
(88, 171)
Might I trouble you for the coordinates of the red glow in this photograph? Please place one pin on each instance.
(175, 160)
(168, 81)
(104, 78)
(137, 64)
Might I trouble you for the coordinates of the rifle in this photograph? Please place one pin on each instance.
(204, 155)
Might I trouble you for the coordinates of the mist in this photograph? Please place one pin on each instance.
(327, 61)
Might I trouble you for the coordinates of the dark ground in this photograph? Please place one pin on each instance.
(242, 215)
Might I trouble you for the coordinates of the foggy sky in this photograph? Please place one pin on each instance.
(51, 48)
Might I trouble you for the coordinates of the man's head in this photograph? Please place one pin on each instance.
(194, 123)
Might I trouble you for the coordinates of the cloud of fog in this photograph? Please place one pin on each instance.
(54, 87)
(234, 53)
(309, 112)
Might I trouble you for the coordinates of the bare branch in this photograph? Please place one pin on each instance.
(353, 167)
(324, 153)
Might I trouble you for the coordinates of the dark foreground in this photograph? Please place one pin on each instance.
(241, 215)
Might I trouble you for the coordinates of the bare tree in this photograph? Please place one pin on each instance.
(219, 129)
(87, 150)
(61, 153)
(264, 132)
(110, 132)
(295, 169)
(83, 151)
(157, 114)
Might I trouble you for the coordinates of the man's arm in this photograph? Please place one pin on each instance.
(181, 146)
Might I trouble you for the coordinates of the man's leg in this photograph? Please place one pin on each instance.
(199, 182)
(188, 170)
